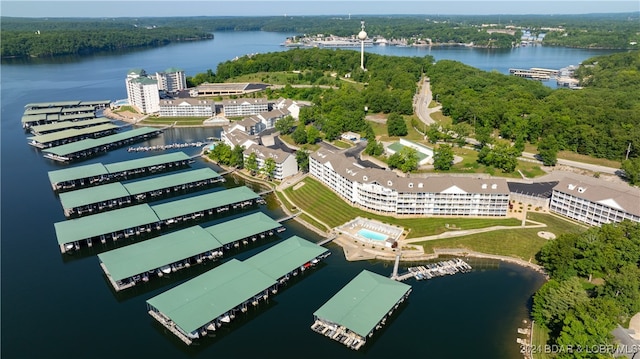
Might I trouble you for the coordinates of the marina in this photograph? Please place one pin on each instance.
(535, 73)
(160, 256)
(95, 174)
(169, 146)
(92, 146)
(116, 195)
(200, 306)
(433, 270)
(131, 222)
(359, 309)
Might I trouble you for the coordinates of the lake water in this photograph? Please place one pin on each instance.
(60, 306)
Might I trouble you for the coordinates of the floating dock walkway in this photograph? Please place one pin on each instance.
(359, 309)
(203, 304)
(97, 174)
(140, 262)
(433, 270)
(131, 222)
(116, 195)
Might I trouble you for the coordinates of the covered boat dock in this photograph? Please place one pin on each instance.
(116, 195)
(95, 174)
(72, 135)
(140, 262)
(135, 220)
(360, 308)
(90, 147)
(42, 113)
(204, 303)
(61, 126)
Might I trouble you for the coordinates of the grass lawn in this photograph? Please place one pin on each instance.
(328, 207)
(539, 340)
(125, 109)
(380, 129)
(441, 119)
(519, 243)
(341, 144)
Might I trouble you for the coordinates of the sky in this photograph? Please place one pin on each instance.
(157, 8)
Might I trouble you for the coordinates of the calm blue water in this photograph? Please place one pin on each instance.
(56, 306)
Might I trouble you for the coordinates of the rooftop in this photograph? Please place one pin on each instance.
(236, 229)
(72, 132)
(68, 124)
(167, 181)
(618, 196)
(91, 195)
(90, 143)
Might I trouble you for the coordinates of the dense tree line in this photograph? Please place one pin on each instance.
(601, 120)
(579, 313)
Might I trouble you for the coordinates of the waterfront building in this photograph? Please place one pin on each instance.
(226, 89)
(589, 200)
(286, 164)
(383, 191)
(237, 137)
(244, 107)
(206, 302)
(360, 308)
(187, 107)
(142, 91)
(425, 154)
(171, 80)
(292, 106)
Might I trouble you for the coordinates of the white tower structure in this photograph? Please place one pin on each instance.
(362, 35)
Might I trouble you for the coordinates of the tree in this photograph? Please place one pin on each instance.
(221, 153)
(548, 150)
(269, 167)
(302, 157)
(299, 136)
(443, 158)
(555, 299)
(502, 156)
(433, 133)
(285, 125)
(406, 160)
(251, 163)
(313, 135)
(396, 125)
(374, 148)
(631, 170)
(237, 156)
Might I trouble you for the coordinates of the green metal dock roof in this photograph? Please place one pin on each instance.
(243, 227)
(44, 110)
(76, 116)
(104, 223)
(72, 132)
(156, 252)
(85, 196)
(171, 180)
(285, 256)
(52, 104)
(203, 202)
(97, 142)
(146, 162)
(95, 103)
(193, 304)
(78, 172)
(34, 118)
(363, 302)
(58, 126)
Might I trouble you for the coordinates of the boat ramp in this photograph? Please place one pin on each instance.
(433, 270)
(157, 257)
(203, 304)
(98, 173)
(91, 146)
(134, 221)
(116, 195)
(359, 309)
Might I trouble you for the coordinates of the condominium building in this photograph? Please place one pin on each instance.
(589, 200)
(286, 164)
(142, 91)
(244, 107)
(171, 80)
(383, 191)
(187, 107)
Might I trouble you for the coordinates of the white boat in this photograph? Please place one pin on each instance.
(166, 269)
(225, 318)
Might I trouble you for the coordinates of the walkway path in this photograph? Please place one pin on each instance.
(465, 232)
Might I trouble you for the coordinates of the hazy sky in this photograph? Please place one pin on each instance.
(92, 8)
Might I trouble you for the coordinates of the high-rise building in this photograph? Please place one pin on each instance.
(171, 80)
(142, 91)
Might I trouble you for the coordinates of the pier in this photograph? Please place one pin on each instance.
(359, 309)
(43, 113)
(97, 174)
(205, 303)
(284, 219)
(170, 146)
(64, 137)
(433, 270)
(158, 257)
(66, 125)
(535, 73)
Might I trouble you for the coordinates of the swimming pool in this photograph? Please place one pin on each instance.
(372, 235)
